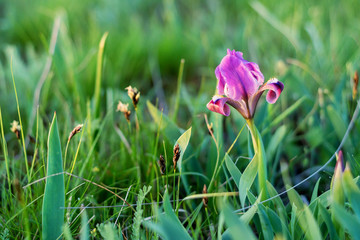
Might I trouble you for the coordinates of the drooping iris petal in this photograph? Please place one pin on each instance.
(218, 104)
(275, 88)
(241, 84)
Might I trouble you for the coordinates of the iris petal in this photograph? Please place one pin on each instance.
(218, 104)
(241, 83)
(221, 82)
(255, 71)
(275, 88)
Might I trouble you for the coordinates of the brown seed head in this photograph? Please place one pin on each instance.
(134, 94)
(162, 165)
(205, 199)
(76, 130)
(176, 155)
(121, 107)
(15, 128)
(355, 85)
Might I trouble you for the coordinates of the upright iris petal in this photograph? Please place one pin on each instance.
(242, 84)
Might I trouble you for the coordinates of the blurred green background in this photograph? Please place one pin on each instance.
(312, 46)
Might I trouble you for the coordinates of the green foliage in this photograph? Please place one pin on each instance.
(235, 225)
(85, 231)
(139, 212)
(183, 142)
(168, 225)
(54, 196)
(234, 171)
(247, 178)
(5, 234)
(108, 231)
(57, 64)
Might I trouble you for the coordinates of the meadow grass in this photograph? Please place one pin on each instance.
(77, 58)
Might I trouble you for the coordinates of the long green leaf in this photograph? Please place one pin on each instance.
(352, 192)
(337, 122)
(278, 203)
(234, 171)
(168, 226)
(278, 224)
(295, 198)
(315, 191)
(85, 230)
(266, 227)
(327, 219)
(347, 220)
(313, 230)
(274, 143)
(247, 179)
(54, 197)
(236, 227)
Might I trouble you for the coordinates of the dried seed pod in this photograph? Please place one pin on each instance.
(15, 128)
(355, 85)
(76, 130)
(124, 108)
(162, 165)
(205, 199)
(134, 94)
(176, 155)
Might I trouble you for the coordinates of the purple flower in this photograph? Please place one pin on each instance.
(242, 84)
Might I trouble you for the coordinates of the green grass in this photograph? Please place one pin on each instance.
(51, 51)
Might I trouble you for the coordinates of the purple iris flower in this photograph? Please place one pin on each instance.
(242, 84)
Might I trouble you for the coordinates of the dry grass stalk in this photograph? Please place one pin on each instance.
(76, 130)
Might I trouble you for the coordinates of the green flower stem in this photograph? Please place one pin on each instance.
(259, 153)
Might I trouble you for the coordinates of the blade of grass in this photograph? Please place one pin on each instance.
(21, 126)
(179, 81)
(5, 152)
(99, 66)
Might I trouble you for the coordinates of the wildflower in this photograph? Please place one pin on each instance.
(121, 107)
(162, 165)
(15, 128)
(134, 94)
(242, 84)
(205, 199)
(176, 155)
(76, 130)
